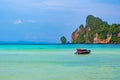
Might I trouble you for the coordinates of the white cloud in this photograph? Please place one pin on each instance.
(18, 22)
(25, 21)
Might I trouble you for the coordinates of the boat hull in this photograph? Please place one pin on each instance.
(83, 52)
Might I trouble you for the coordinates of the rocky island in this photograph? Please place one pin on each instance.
(96, 31)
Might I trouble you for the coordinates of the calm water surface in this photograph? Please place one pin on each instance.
(58, 62)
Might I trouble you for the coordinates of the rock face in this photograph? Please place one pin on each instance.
(96, 31)
(75, 35)
(119, 34)
(104, 41)
(96, 39)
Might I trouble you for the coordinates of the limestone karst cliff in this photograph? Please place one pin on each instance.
(96, 31)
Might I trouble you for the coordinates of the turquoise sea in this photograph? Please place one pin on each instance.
(58, 62)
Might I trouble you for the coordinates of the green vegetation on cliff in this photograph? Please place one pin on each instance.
(96, 31)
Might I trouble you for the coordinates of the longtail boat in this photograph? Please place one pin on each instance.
(82, 51)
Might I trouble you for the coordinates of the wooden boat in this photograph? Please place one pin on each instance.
(82, 51)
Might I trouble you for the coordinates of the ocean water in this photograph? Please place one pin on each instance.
(58, 62)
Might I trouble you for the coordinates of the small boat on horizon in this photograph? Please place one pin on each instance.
(82, 51)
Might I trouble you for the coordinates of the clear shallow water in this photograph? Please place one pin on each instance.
(58, 62)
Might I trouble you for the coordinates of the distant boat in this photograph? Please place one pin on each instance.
(82, 51)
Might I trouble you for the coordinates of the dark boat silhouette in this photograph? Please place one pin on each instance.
(82, 51)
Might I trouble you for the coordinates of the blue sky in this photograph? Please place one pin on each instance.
(48, 20)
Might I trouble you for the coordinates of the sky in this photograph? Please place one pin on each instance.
(46, 21)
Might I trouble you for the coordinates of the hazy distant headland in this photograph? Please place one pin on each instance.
(96, 31)
(24, 43)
